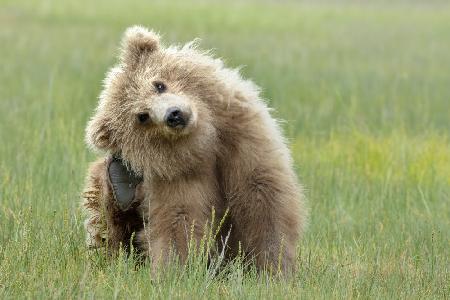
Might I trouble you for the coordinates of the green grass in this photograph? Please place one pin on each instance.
(364, 90)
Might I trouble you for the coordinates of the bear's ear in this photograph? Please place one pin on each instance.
(98, 133)
(137, 41)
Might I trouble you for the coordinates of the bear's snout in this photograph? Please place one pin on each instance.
(176, 118)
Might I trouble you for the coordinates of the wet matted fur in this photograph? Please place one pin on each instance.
(230, 155)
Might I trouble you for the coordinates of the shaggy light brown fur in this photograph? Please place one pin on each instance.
(107, 224)
(230, 155)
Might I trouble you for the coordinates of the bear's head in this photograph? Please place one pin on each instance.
(157, 106)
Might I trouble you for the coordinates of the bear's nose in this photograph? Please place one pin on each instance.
(175, 117)
(143, 118)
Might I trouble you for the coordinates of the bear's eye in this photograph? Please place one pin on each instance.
(159, 86)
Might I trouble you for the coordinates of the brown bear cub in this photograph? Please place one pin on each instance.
(195, 137)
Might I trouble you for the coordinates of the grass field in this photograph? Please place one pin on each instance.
(364, 90)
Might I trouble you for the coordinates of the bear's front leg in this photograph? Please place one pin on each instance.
(266, 205)
(110, 222)
(179, 212)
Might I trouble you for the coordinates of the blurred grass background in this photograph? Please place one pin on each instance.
(365, 91)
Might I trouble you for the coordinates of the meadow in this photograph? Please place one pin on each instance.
(364, 90)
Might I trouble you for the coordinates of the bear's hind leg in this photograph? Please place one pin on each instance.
(107, 225)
